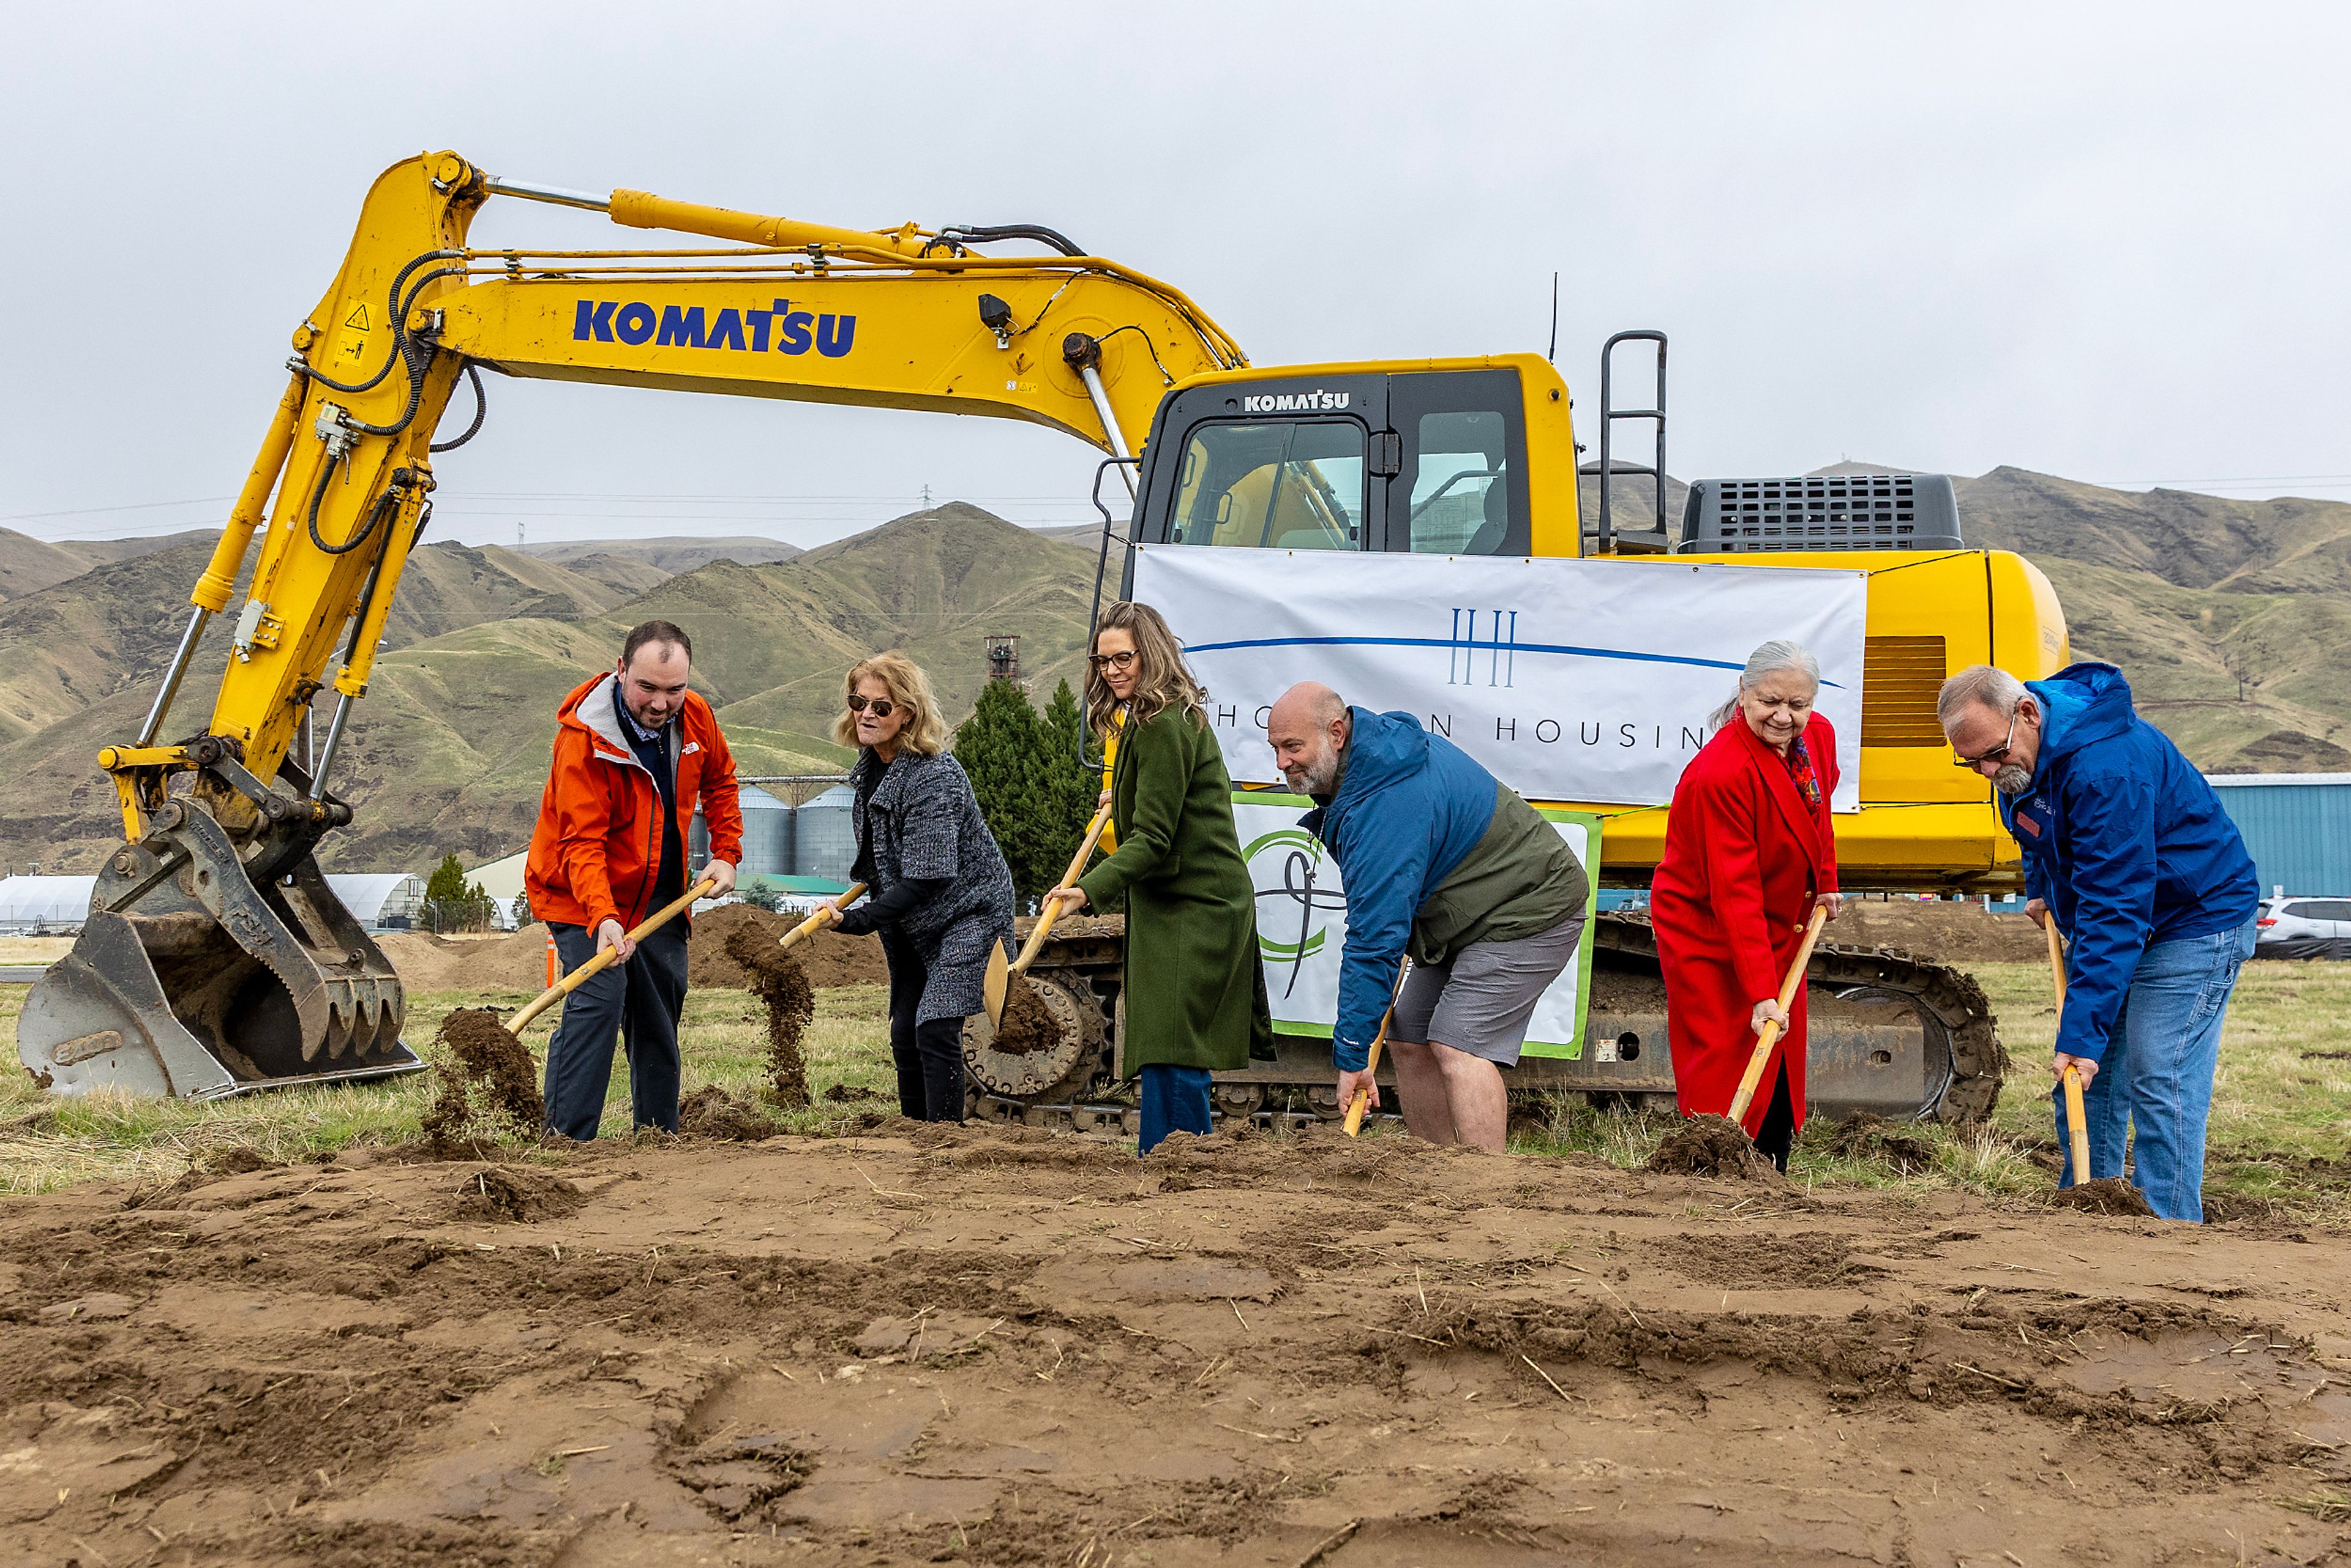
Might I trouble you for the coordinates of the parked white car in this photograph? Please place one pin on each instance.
(2303, 928)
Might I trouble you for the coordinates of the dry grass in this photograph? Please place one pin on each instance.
(2281, 1128)
(49, 1143)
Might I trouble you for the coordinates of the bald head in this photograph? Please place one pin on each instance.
(1308, 728)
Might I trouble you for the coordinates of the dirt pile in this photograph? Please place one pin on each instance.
(514, 1194)
(2106, 1195)
(430, 963)
(518, 962)
(1713, 1147)
(711, 1112)
(1943, 932)
(490, 1078)
(828, 958)
(779, 981)
(1863, 1137)
(1001, 1346)
(1028, 1024)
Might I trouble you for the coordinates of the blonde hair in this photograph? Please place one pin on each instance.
(926, 734)
(1162, 678)
(1768, 658)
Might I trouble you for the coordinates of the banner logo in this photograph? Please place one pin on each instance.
(1291, 858)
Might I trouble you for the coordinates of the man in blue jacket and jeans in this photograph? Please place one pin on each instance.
(2126, 846)
(1441, 860)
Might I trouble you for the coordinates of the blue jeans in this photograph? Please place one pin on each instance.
(2156, 1073)
(1175, 1100)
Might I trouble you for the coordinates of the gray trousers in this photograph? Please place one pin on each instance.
(640, 1001)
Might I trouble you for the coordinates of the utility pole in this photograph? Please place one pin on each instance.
(926, 497)
(1004, 658)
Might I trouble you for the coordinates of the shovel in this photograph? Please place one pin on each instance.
(822, 918)
(1371, 1058)
(2077, 1122)
(1753, 1077)
(999, 973)
(604, 960)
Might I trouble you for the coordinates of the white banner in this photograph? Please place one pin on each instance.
(1302, 923)
(1569, 680)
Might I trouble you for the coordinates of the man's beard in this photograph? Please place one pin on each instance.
(1316, 777)
(2012, 779)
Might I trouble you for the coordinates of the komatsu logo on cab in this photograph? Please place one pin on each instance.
(1294, 402)
(788, 330)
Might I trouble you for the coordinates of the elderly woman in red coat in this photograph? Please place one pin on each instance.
(1749, 850)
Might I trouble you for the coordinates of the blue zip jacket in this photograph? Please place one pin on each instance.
(1409, 809)
(2124, 840)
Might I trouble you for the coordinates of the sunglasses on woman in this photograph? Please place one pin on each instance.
(880, 707)
(1122, 661)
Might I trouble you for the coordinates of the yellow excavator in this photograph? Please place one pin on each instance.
(215, 959)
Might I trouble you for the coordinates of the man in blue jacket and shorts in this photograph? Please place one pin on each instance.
(2127, 847)
(1442, 860)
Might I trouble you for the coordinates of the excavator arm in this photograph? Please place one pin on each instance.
(215, 957)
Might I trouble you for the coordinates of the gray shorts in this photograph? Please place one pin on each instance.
(1480, 1002)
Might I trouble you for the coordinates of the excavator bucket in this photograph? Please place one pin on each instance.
(193, 979)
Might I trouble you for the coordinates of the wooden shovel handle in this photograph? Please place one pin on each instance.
(1753, 1077)
(2077, 1120)
(822, 916)
(604, 960)
(1363, 1104)
(2077, 1124)
(1054, 907)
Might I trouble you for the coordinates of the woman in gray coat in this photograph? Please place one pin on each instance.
(938, 891)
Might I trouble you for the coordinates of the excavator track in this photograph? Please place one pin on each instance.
(1890, 1033)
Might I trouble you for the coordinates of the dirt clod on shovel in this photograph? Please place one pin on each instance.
(1029, 1025)
(1713, 1147)
(489, 1077)
(2106, 1195)
(779, 980)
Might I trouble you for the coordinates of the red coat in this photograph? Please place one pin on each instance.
(1744, 854)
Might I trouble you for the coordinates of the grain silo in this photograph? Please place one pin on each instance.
(824, 840)
(767, 836)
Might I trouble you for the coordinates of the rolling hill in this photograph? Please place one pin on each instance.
(2232, 618)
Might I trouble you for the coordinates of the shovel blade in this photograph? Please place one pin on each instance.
(998, 981)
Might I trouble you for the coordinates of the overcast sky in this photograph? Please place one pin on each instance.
(2103, 241)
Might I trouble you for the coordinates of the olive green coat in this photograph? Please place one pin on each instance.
(1195, 991)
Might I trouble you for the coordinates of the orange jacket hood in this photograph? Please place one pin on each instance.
(595, 855)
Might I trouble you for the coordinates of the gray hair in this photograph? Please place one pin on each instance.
(1987, 684)
(1768, 658)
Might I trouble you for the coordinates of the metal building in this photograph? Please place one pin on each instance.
(2296, 825)
(767, 834)
(825, 842)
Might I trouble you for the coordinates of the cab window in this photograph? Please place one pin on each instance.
(1463, 487)
(1285, 484)
(1461, 502)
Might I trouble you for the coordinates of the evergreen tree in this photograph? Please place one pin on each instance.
(452, 903)
(1001, 748)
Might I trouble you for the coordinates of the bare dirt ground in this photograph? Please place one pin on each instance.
(1011, 1347)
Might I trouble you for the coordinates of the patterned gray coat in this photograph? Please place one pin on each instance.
(923, 823)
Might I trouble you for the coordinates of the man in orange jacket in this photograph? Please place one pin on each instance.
(634, 749)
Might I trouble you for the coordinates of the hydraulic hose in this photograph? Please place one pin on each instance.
(481, 408)
(398, 319)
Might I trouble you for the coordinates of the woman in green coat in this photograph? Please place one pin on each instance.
(1194, 1001)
